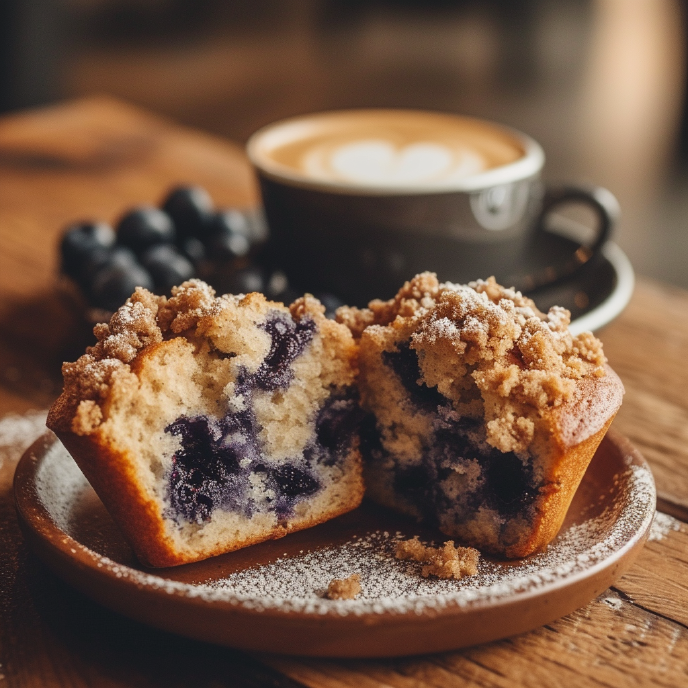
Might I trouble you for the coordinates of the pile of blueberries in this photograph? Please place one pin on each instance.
(158, 248)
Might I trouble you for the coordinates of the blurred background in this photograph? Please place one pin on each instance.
(600, 83)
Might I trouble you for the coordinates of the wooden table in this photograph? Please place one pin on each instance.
(94, 158)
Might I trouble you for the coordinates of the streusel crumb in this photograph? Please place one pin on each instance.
(448, 561)
(486, 348)
(344, 588)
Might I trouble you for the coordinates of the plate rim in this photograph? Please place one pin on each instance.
(69, 559)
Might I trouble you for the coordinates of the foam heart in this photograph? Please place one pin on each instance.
(381, 162)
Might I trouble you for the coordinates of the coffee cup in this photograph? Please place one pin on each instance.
(358, 201)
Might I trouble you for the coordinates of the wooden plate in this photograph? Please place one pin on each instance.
(269, 597)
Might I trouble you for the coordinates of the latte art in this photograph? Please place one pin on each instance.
(382, 163)
(385, 151)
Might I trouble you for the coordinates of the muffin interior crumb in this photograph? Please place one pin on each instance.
(344, 588)
(447, 561)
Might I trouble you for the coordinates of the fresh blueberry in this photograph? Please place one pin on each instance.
(167, 266)
(193, 249)
(114, 284)
(101, 258)
(81, 239)
(89, 265)
(191, 210)
(231, 220)
(144, 227)
(225, 246)
(228, 236)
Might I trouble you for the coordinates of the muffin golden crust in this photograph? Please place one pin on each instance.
(485, 412)
(206, 424)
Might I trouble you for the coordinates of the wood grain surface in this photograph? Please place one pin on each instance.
(93, 159)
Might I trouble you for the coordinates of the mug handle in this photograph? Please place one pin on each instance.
(606, 207)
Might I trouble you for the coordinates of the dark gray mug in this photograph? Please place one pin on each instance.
(361, 239)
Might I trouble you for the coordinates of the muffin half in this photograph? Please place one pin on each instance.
(484, 413)
(207, 424)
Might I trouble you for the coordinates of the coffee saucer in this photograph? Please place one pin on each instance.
(596, 294)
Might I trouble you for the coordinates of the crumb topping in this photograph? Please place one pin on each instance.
(447, 561)
(187, 305)
(486, 348)
(131, 328)
(344, 588)
(145, 320)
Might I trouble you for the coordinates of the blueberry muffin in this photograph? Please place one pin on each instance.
(483, 412)
(208, 424)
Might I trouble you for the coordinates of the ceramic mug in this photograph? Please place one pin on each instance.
(359, 201)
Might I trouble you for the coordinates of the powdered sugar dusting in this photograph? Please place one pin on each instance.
(662, 525)
(614, 602)
(59, 483)
(17, 432)
(388, 585)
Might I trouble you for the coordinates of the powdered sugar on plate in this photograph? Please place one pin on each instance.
(662, 525)
(59, 484)
(18, 431)
(388, 585)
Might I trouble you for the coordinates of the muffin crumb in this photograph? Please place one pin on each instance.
(448, 561)
(344, 588)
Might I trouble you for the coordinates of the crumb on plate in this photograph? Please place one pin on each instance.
(447, 561)
(344, 588)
